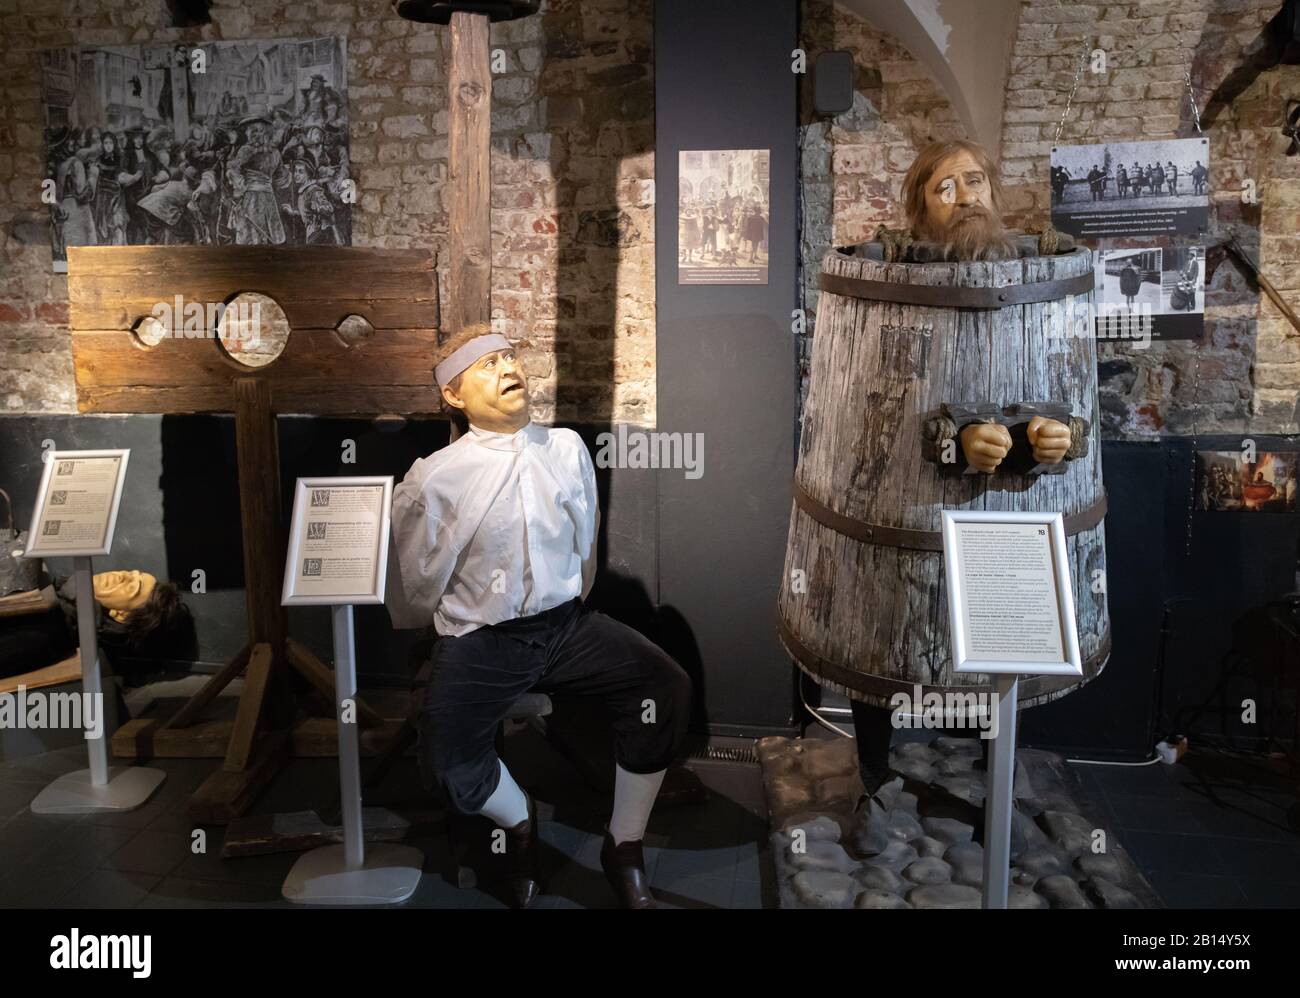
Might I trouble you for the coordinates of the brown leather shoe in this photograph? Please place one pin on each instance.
(525, 870)
(624, 867)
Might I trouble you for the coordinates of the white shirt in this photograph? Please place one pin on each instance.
(492, 527)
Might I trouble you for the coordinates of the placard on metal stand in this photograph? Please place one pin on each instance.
(338, 555)
(75, 516)
(990, 558)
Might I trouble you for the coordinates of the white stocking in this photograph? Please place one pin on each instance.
(634, 796)
(508, 805)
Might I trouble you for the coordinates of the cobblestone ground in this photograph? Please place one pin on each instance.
(917, 844)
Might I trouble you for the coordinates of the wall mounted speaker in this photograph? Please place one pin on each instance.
(833, 82)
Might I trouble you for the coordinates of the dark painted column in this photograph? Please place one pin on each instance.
(727, 363)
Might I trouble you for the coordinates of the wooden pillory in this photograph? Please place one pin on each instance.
(111, 288)
(319, 372)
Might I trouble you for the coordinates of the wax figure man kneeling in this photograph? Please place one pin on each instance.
(495, 545)
(952, 195)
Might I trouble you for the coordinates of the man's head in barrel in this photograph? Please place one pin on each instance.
(953, 196)
(479, 376)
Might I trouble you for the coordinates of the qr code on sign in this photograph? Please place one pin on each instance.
(320, 497)
(58, 498)
(51, 528)
(310, 566)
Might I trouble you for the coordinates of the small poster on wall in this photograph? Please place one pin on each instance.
(222, 143)
(722, 216)
(1151, 293)
(1131, 188)
(1231, 482)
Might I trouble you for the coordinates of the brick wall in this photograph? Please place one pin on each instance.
(1245, 376)
(573, 183)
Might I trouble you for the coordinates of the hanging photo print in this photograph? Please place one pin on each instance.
(722, 215)
(1230, 483)
(1150, 293)
(225, 143)
(1131, 188)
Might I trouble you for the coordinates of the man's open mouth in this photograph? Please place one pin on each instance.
(516, 387)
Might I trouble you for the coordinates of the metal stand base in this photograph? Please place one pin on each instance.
(389, 875)
(74, 793)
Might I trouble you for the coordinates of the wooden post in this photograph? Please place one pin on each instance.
(259, 510)
(257, 444)
(469, 166)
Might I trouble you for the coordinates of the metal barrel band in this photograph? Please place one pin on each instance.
(918, 540)
(824, 668)
(951, 297)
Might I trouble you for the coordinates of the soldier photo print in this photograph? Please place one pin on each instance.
(1229, 483)
(1150, 293)
(722, 213)
(224, 143)
(1131, 188)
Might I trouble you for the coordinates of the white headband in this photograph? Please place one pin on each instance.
(466, 354)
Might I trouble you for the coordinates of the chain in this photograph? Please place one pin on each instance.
(1083, 59)
(1196, 372)
(1191, 96)
(1191, 483)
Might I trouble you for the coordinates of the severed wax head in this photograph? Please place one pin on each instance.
(953, 196)
(480, 376)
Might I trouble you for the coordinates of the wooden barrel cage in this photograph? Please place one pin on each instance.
(863, 606)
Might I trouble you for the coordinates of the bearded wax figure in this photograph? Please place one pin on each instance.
(952, 194)
(495, 544)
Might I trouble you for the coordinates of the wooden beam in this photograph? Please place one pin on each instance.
(321, 677)
(192, 708)
(225, 795)
(247, 720)
(259, 510)
(318, 738)
(145, 738)
(66, 671)
(469, 172)
(312, 738)
(111, 288)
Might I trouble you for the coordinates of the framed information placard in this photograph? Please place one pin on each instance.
(76, 506)
(338, 542)
(1010, 603)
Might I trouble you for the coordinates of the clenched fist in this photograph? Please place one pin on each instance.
(1049, 438)
(985, 445)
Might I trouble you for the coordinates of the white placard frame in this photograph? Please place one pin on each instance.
(302, 492)
(1066, 618)
(34, 548)
(347, 873)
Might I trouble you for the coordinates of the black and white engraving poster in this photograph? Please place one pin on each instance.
(722, 216)
(1131, 188)
(223, 143)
